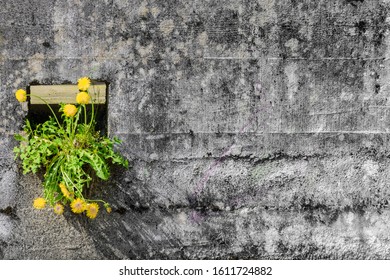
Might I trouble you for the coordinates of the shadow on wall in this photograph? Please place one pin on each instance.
(130, 231)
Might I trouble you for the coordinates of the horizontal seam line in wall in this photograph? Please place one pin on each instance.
(2, 59)
(51, 248)
(294, 58)
(159, 135)
(111, 23)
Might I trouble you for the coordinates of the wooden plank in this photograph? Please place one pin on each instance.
(55, 94)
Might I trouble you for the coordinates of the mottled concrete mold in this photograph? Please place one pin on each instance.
(256, 129)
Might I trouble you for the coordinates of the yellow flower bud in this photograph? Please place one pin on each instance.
(65, 191)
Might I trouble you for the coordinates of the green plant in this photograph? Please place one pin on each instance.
(71, 152)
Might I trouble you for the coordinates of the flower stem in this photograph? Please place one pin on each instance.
(85, 113)
(48, 105)
(74, 125)
(92, 114)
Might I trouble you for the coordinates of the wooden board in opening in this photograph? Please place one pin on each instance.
(56, 94)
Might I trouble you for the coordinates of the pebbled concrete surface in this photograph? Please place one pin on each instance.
(256, 129)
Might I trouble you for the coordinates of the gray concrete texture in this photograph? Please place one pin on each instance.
(255, 129)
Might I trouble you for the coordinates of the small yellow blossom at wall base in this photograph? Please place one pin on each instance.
(108, 208)
(92, 210)
(77, 206)
(39, 203)
(58, 209)
(21, 95)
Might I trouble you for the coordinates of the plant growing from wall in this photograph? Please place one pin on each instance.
(71, 152)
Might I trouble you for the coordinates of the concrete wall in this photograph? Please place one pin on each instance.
(256, 129)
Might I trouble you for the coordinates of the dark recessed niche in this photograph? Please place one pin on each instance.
(39, 112)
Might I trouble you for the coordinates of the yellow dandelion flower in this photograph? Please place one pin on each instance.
(92, 210)
(77, 206)
(21, 95)
(70, 110)
(58, 209)
(65, 191)
(39, 203)
(84, 83)
(83, 98)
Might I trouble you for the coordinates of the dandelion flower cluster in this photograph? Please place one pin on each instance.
(77, 206)
(70, 110)
(83, 97)
(21, 95)
(84, 83)
(39, 203)
(58, 209)
(92, 210)
(65, 189)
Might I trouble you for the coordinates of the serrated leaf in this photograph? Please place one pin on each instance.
(97, 163)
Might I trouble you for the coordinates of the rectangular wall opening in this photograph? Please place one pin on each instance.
(54, 95)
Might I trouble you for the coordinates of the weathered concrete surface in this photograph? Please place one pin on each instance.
(256, 129)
